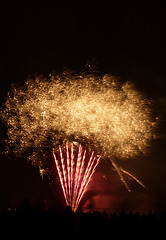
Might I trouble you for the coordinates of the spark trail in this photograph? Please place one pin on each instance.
(74, 174)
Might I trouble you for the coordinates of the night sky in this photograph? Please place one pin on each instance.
(130, 44)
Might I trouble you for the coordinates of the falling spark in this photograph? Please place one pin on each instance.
(44, 115)
(132, 176)
(118, 169)
(75, 185)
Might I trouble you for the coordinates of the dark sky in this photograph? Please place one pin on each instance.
(129, 43)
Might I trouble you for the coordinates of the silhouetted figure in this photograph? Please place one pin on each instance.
(69, 222)
(27, 222)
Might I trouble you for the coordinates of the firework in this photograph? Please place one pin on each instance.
(99, 112)
(75, 174)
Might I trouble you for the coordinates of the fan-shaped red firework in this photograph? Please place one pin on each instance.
(75, 172)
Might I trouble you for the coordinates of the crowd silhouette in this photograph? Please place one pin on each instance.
(27, 221)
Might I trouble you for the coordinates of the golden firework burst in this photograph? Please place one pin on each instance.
(111, 117)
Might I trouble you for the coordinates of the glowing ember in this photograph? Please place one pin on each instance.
(75, 174)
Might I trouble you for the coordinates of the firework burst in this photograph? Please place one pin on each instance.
(98, 112)
(74, 173)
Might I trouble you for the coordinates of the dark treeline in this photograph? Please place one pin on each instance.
(27, 221)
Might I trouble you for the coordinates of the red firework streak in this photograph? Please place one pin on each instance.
(74, 173)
